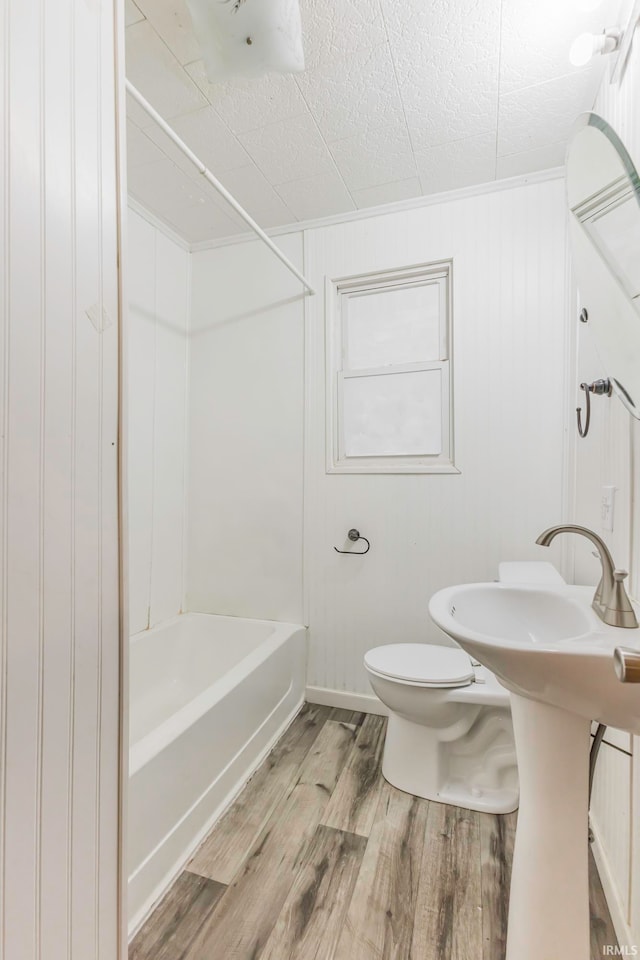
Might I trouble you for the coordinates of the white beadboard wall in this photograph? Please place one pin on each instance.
(606, 457)
(158, 291)
(246, 406)
(509, 359)
(246, 433)
(59, 643)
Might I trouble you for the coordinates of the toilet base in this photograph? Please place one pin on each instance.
(470, 764)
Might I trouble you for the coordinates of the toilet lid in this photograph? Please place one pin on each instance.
(422, 663)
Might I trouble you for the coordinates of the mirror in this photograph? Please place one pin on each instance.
(603, 195)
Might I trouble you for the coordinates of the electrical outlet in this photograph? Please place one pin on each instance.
(607, 507)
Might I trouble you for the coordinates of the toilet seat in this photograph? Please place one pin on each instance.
(421, 664)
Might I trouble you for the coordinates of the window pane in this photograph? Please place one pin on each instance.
(397, 325)
(392, 414)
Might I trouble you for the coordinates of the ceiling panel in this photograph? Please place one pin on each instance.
(248, 104)
(320, 196)
(156, 73)
(288, 150)
(442, 31)
(467, 103)
(253, 191)
(140, 149)
(335, 29)
(458, 164)
(537, 36)
(148, 180)
(201, 222)
(382, 154)
(399, 98)
(171, 21)
(540, 158)
(169, 149)
(387, 193)
(351, 95)
(210, 138)
(132, 14)
(544, 113)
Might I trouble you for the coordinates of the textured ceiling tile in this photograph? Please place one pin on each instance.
(379, 156)
(289, 150)
(257, 196)
(459, 164)
(353, 94)
(211, 140)
(319, 196)
(545, 113)
(156, 73)
(437, 31)
(442, 53)
(333, 29)
(171, 20)
(255, 102)
(161, 186)
(140, 149)
(536, 38)
(137, 115)
(542, 158)
(169, 149)
(387, 193)
(204, 222)
(466, 104)
(131, 13)
(170, 194)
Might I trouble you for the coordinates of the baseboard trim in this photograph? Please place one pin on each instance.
(327, 697)
(611, 893)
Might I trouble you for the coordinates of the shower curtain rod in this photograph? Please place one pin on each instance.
(209, 177)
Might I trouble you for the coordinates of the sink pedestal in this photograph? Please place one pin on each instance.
(549, 901)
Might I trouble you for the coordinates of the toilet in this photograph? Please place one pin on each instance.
(450, 736)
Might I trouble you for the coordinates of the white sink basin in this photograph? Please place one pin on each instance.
(555, 655)
(545, 643)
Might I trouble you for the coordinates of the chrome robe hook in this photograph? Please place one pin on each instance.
(601, 388)
(354, 535)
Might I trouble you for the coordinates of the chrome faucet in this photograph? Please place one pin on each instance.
(610, 601)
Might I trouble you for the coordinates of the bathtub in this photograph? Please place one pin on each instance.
(209, 696)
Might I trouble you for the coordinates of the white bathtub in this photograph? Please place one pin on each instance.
(208, 697)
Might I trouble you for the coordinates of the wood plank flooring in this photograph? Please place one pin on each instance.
(320, 859)
(448, 918)
(380, 918)
(354, 801)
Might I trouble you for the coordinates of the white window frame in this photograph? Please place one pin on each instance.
(335, 329)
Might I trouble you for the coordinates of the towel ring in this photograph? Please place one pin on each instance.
(354, 536)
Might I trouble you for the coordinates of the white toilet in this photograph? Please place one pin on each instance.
(450, 736)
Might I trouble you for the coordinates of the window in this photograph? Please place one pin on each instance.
(389, 389)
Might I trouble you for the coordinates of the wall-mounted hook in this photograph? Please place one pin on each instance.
(600, 388)
(354, 536)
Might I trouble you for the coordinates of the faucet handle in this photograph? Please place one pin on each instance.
(619, 611)
(626, 662)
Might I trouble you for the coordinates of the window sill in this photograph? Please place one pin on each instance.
(346, 468)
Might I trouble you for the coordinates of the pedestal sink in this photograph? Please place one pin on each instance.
(548, 647)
